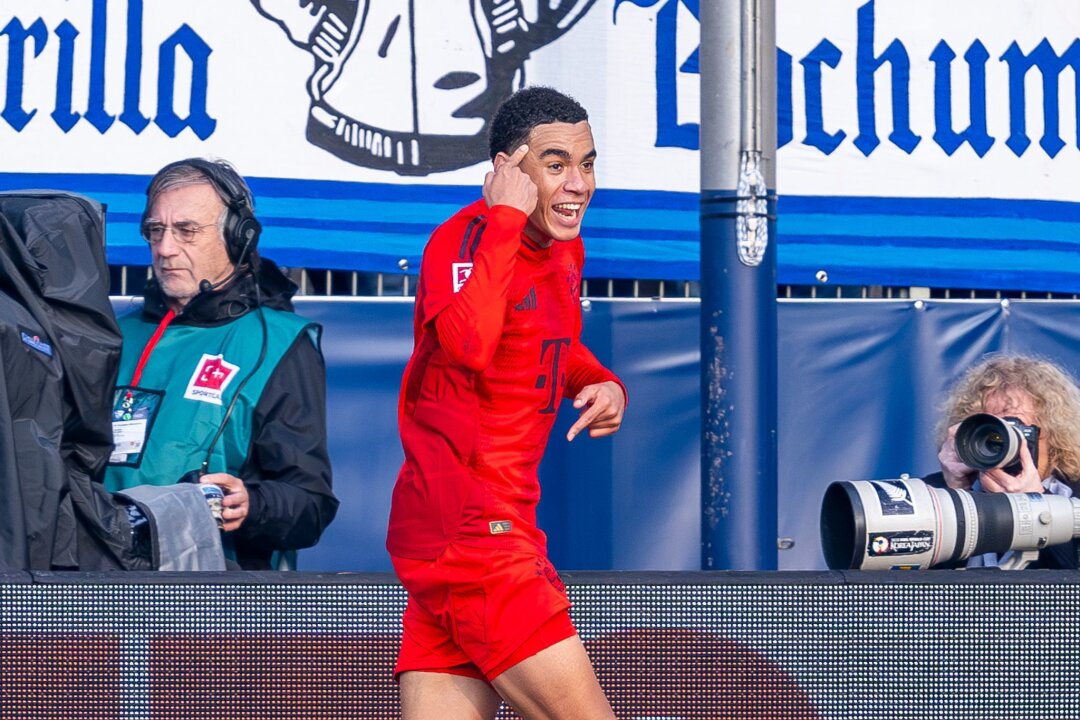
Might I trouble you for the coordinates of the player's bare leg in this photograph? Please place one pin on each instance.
(557, 683)
(428, 695)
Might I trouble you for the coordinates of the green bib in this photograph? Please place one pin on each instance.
(197, 372)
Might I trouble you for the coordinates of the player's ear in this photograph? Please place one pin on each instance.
(499, 159)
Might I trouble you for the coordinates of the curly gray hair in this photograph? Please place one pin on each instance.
(1053, 391)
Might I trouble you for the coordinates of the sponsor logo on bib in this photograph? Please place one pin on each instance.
(212, 375)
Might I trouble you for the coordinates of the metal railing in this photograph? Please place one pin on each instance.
(130, 279)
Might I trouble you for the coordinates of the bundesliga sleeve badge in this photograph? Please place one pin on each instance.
(461, 272)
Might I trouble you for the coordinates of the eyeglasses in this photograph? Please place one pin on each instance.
(183, 232)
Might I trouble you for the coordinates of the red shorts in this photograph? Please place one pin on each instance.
(477, 611)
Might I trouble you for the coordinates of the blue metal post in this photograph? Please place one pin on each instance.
(738, 286)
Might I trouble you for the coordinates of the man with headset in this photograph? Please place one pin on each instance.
(220, 381)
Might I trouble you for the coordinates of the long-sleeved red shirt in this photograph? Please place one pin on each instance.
(496, 331)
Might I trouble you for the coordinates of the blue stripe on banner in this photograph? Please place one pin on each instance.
(932, 207)
(884, 230)
(83, 182)
(455, 195)
(950, 242)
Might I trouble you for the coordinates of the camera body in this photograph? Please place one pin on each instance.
(986, 442)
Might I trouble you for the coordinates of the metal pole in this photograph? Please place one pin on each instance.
(738, 285)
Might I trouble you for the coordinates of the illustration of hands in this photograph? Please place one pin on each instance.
(408, 86)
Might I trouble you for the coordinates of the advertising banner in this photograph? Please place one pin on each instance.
(920, 143)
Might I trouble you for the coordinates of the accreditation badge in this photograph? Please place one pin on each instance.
(133, 414)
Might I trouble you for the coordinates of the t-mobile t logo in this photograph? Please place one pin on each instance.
(552, 376)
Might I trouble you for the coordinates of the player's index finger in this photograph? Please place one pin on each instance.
(588, 416)
(582, 422)
(519, 155)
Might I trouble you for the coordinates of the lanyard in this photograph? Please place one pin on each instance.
(150, 344)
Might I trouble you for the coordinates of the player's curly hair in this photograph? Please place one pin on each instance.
(526, 109)
(1054, 392)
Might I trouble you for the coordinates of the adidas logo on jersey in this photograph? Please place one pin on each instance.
(528, 302)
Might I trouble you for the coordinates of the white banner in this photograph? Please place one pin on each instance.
(910, 132)
(373, 91)
(922, 98)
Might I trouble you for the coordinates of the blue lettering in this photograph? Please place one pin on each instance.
(26, 42)
(198, 51)
(64, 113)
(975, 134)
(96, 114)
(669, 131)
(132, 66)
(1050, 66)
(13, 112)
(784, 109)
(828, 54)
(866, 65)
(64, 117)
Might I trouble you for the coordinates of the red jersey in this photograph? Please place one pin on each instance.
(496, 332)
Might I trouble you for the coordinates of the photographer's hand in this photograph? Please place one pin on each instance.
(1028, 480)
(958, 476)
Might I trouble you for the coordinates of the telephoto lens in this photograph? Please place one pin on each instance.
(907, 524)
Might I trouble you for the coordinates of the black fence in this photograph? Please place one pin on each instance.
(130, 279)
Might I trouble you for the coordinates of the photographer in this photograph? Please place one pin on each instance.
(1035, 393)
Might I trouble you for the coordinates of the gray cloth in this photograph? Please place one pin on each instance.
(184, 534)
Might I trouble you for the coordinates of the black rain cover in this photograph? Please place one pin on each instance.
(59, 355)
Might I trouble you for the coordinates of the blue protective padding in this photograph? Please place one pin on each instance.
(366, 345)
(859, 387)
(648, 519)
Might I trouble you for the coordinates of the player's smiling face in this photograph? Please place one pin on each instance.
(560, 162)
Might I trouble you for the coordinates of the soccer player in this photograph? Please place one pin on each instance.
(496, 331)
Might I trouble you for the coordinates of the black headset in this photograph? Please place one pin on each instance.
(242, 228)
